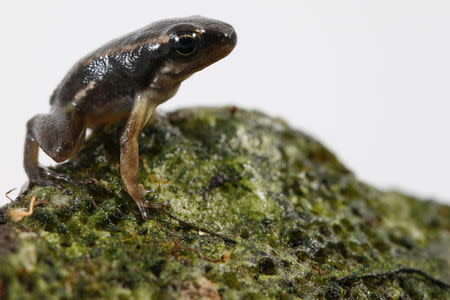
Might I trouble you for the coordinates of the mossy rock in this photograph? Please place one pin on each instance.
(304, 226)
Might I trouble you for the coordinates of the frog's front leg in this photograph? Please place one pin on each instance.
(60, 134)
(143, 109)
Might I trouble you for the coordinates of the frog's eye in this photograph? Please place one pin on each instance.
(185, 44)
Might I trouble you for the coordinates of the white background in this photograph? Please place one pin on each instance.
(370, 79)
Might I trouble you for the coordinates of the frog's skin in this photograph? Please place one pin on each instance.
(125, 79)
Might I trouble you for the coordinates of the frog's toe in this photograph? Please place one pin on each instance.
(152, 207)
(145, 192)
(46, 177)
(159, 205)
(55, 176)
(145, 215)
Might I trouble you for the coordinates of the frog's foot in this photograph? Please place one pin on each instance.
(147, 207)
(47, 177)
(54, 176)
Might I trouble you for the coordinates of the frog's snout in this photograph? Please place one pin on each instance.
(227, 38)
(222, 35)
(231, 37)
(228, 34)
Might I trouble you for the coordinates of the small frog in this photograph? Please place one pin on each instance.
(125, 79)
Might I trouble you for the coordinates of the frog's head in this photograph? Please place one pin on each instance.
(195, 43)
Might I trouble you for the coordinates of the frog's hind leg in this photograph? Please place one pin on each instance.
(60, 134)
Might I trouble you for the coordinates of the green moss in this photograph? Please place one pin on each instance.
(305, 226)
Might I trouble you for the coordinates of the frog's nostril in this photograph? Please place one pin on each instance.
(231, 36)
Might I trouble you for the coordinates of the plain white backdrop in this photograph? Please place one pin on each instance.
(370, 79)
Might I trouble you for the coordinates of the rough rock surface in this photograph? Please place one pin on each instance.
(305, 227)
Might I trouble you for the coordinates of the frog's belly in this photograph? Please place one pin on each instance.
(101, 113)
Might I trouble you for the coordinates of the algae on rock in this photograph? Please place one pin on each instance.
(305, 226)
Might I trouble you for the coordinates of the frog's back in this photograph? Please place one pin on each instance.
(114, 71)
(102, 85)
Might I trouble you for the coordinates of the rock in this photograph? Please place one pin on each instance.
(304, 227)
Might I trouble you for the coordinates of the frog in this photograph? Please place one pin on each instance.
(124, 80)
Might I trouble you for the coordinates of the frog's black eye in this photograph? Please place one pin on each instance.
(185, 44)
